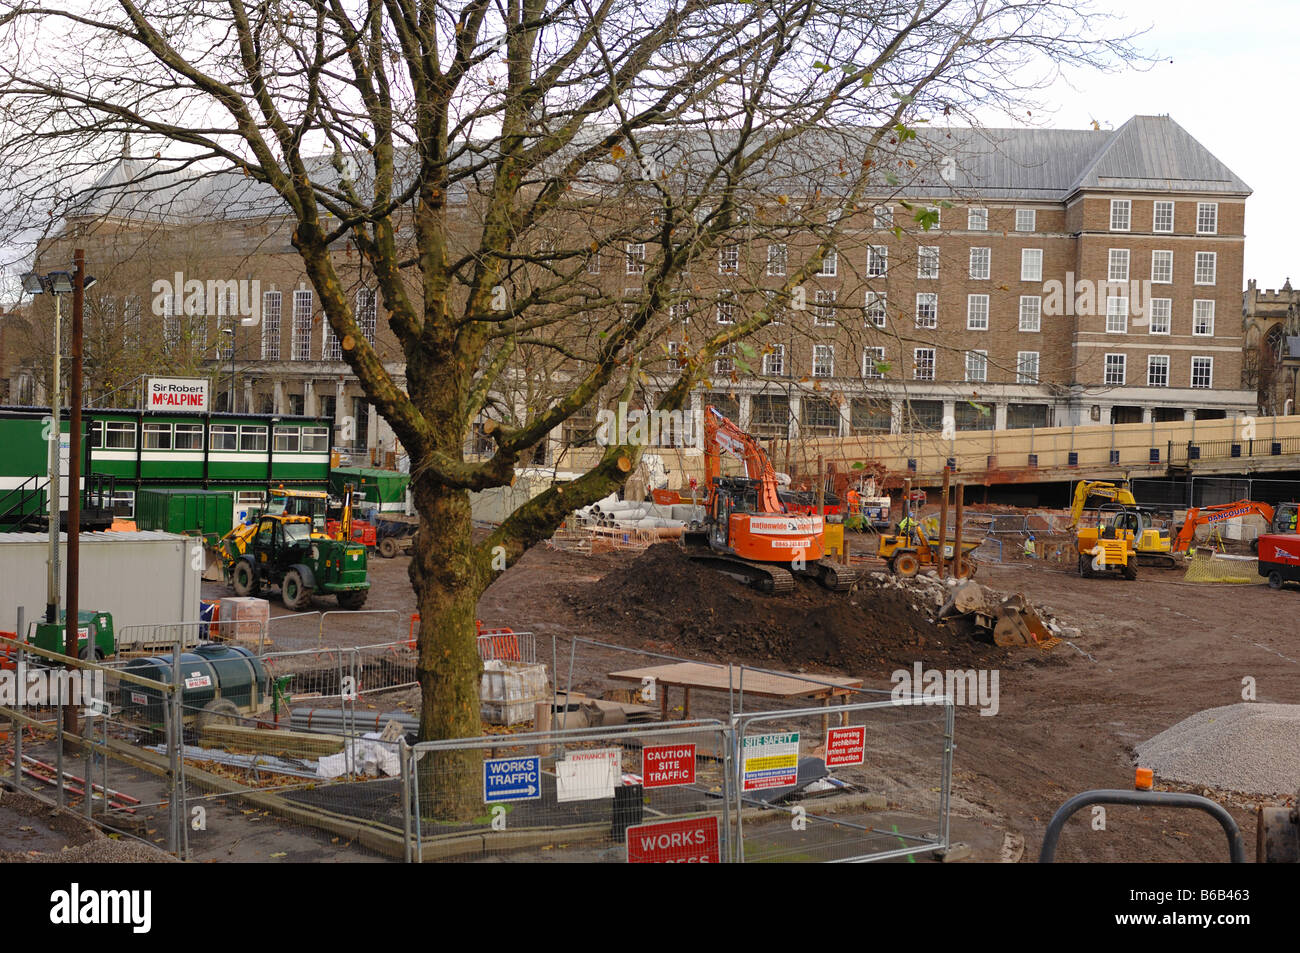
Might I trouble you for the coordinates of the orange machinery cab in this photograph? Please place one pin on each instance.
(739, 528)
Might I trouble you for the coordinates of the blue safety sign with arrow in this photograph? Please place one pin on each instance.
(512, 779)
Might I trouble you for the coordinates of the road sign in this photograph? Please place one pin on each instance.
(845, 746)
(693, 841)
(588, 775)
(663, 766)
(770, 761)
(512, 779)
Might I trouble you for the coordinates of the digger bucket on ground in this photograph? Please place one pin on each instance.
(1018, 625)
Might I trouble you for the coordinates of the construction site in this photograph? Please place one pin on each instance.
(860, 659)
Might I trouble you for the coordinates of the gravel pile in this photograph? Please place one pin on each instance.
(1250, 748)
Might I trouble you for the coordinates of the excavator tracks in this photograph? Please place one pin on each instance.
(833, 576)
(765, 578)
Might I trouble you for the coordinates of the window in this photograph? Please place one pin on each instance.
(927, 261)
(366, 300)
(680, 311)
(769, 415)
(1025, 219)
(723, 363)
(223, 437)
(823, 360)
(1158, 370)
(95, 435)
(873, 359)
(824, 309)
(1203, 317)
(315, 439)
(830, 263)
(1114, 374)
(927, 310)
(287, 439)
(1031, 264)
(119, 435)
(977, 312)
(1031, 312)
(726, 308)
(302, 306)
(636, 258)
(676, 355)
(1161, 309)
(1116, 315)
(271, 326)
(977, 219)
(1162, 267)
(774, 361)
(157, 437)
(923, 364)
(331, 349)
(171, 323)
(776, 257)
(1120, 212)
(189, 437)
(819, 417)
(1118, 270)
(977, 365)
(883, 216)
(1026, 367)
(631, 298)
(728, 260)
(775, 305)
(876, 308)
(1206, 265)
(252, 438)
(1162, 217)
(936, 212)
(1207, 218)
(877, 261)
(1202, 372)
(979, 262)
(593, 263)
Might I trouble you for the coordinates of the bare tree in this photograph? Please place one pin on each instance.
(481, 154)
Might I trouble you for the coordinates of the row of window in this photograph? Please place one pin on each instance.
(1162, 217)
(977, 365)
(121, 435)
(980, 266)
(1159, 317)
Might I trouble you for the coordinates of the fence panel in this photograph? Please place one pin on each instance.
(873, 784)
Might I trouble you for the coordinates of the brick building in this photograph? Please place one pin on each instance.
(1069, 277)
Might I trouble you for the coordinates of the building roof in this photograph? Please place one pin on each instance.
(1146, 153)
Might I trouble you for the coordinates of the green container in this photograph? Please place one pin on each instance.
(53, 637)
(206, 513)
(386, 488)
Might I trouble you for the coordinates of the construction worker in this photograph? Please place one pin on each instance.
(906, 526)
(1029, 547)
(854, 501)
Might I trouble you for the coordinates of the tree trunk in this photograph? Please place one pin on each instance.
(448, 581)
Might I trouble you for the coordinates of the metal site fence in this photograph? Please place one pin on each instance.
(143, 640)
(1207, 491)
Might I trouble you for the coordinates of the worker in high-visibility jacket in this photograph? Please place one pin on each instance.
(855, 502)
(906, 526)
(1029, 547)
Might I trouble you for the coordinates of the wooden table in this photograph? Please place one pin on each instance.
(714, 678)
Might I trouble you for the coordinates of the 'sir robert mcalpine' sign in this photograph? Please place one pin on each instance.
(663, 766)
(173, 393)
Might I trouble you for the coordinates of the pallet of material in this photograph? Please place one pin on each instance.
(296, 744)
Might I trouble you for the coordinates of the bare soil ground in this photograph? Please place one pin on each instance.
(1150, 653)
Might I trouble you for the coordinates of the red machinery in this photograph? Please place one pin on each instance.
(1199, 516)
(1279, 558)
(749, 533)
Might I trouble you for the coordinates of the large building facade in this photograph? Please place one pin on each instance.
(1058, 277)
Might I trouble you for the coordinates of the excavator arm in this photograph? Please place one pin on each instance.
(723, 436)
(1202, 515)
(1090, 488)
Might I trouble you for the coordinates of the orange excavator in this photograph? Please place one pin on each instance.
(1202, 515)
(748, 533)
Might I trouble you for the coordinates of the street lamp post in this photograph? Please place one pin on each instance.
(230, 405)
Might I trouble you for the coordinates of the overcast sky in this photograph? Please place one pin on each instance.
(1229, 76)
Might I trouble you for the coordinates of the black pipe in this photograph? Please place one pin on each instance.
(1236, 849)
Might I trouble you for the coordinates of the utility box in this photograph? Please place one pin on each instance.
(385, 489)
(94, 635)
(206, 513)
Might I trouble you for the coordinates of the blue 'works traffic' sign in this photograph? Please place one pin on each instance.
(512, 779)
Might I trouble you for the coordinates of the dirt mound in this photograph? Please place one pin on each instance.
(665, 597)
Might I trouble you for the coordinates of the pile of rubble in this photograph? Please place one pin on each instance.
(965, 605)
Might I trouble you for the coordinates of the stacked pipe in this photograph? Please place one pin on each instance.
(335, 721)
(668, 520)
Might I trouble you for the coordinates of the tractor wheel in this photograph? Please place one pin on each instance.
(245, 579)
(1085, 566)
(352, 600)
(907, 564)
(1131, 568)
(1275, 580)
(388, 547)
(295, 593)
(968, 568)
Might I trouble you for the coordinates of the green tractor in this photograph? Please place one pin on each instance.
(283, 553)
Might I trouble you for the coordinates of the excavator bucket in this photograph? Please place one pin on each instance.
(1016, 624)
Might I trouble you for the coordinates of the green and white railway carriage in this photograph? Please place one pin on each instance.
(243, 453)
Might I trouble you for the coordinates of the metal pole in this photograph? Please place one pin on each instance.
(943, 519)
(174, 742)
(58, 750)
(404, 754)
(20, 670)
(52, 485)
(74, 487)
(960, 520)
